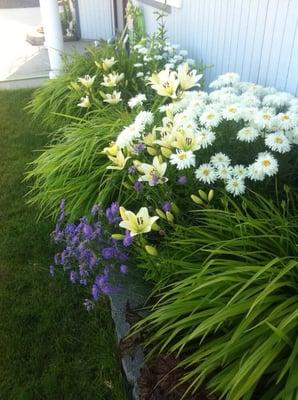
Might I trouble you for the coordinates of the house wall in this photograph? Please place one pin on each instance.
(96, 19)
(256, 38)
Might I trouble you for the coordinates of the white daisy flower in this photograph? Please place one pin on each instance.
(183, 159)
(255, 173)
(210, 118)
(248, 113)
(277, 100)
(267, 164)
(139, 74)
(249, 100)
(235, 186)
(278, 142)
(292, 135)
(206, 173)
(205, 137)
(224, 172)
(138, 65)
(263, 119)
(137, 100)
(144, 118)
(239, 171)
(232, 112)
(127, 135)
(220, 159)
(248, 134)
(286, 120)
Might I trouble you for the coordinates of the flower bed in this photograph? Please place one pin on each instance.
(198, 190)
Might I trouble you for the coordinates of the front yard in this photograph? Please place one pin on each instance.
(50, 347)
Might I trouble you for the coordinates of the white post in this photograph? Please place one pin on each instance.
(53, 34)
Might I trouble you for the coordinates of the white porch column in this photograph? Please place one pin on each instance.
(53, 34)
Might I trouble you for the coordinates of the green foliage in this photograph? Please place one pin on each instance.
(73, 166)
(229, 302)
(50, 347)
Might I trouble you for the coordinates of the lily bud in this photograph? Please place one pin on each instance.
(175, 209)
(170, 216)
(126, 185)
(155, 227)
(203, 195)
(118, 236)
(160, 213)
(210, 195)
(196, 199)
(151, 250)
(151, 151)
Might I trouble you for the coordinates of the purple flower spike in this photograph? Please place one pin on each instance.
(167, 206)
(138, 186)
(87, 232)
(108, 252)
(123, 269)
(73, 276)
(139, 148)
(182, 180)
(95, 292)
(95, 209)
(132, 170)
(128, 240)
(154, 180)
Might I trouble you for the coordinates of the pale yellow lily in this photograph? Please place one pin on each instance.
(188, 78)
(119, 161)
(153, 174)
(138, 223)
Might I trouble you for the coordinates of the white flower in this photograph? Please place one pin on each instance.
(249, 100)
(165, 83)
(235, 186)
(263, 119)
(87, 81)
(292, 135)
(220, 159)
(239, 171)
(140, 74)
(119, 161)
(278, 142)
(206, 173)
(183, 159)
(286, 120)
(106, 64)
(232, 112)
(267, 164)
(112, 79)
(138, 65)
(85, 102)
(210, 118)
(144, 118)
(255, 173)
(153, 174)
(113, 98)
(128, 134)
(137, 100)
(185, 139)
(205, 137)
(224, 172)
(188, 78)
(277, 100)
(136, 223)
(249, 113)
(248, 134)
(229, 78)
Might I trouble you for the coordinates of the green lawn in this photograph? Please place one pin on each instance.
(50, 347)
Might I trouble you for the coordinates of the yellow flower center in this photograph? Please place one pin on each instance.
(182, 156)
(285, 117)
(206, 172)
(232, 109)
(266, 163)
(266, 116)
(210, 116)
(278, 140)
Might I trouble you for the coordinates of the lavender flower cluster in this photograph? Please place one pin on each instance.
(89, 253)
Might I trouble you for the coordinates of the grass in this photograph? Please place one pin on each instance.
(50, 347)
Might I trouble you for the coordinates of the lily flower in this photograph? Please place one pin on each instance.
(113, 98)
(112, 79)
(137, 223)
(85, 102)
(186, 140)
(119, 161)
(153, 174)
(165, 83)
(106, 64)
(188, 78)
(112, 150)
(87, 81)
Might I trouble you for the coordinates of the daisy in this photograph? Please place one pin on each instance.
(144, 118)
(206, 173)
(232, 112)
(263, 119)
(286, 120)
(137, 100)
(220, 159)
(277, 100)
(239, 171)
(210, 118)
(235, 186)
(127, 136)
(255, 173)
(278, 142)
(292, 136)
(183, 159)
(224, 172)
(267, 164)
(205, 137)
(248, 134)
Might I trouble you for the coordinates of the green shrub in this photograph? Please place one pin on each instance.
(231, 305)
